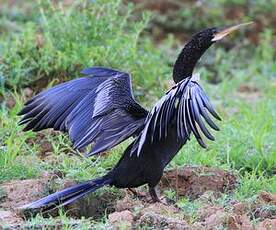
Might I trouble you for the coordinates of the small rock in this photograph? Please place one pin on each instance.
(207, 211)
(161, 209)
(45, 147)
(209, 197)
(161, 222)
(121, 218)
(218, 219)
(240, 208)
(128, 204)
(10, 101)
(28, 92)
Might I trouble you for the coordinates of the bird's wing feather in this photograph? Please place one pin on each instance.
(186, 108)
(98, 108)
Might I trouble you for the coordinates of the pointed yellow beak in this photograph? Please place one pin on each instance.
(221, 34)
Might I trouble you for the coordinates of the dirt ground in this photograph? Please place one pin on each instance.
(196, 183)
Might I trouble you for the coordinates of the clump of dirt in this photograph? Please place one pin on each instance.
(10, 101)
(161, 221)
(145, 213)
(248, 89)
(266, 198)
(28, 92)
(249, 93)
(16, 194)
(236, 222)
(20, 192)
(9, 218)
(192, 181)
(211, 217)
(121, 218)
(40, 138)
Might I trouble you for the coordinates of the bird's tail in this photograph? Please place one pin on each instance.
(68, 195)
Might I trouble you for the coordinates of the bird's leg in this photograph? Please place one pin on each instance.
(134, 192)
(153, 194)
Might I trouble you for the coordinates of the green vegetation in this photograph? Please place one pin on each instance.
(63, 40)
(56, 41)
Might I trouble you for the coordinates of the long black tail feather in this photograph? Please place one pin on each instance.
(68, 195)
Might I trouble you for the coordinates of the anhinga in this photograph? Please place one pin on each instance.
(100, 109)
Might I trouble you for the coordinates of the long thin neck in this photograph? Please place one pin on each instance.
(188, 58)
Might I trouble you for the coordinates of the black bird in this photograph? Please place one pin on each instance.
(100, 109)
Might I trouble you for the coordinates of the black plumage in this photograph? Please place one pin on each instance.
(99, 109)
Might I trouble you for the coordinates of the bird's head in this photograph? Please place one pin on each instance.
(203, 39)
(195, 48)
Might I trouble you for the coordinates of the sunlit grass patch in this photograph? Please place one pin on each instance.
(252, 184)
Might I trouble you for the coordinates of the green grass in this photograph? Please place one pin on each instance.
(15, 152)
(246, 143)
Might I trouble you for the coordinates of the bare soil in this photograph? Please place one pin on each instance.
(249, 93)
(192, 181)
(203, 183)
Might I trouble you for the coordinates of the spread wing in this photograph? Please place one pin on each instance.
(186, 108)
(98, 109)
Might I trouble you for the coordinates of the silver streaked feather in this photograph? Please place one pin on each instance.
(185, 105)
